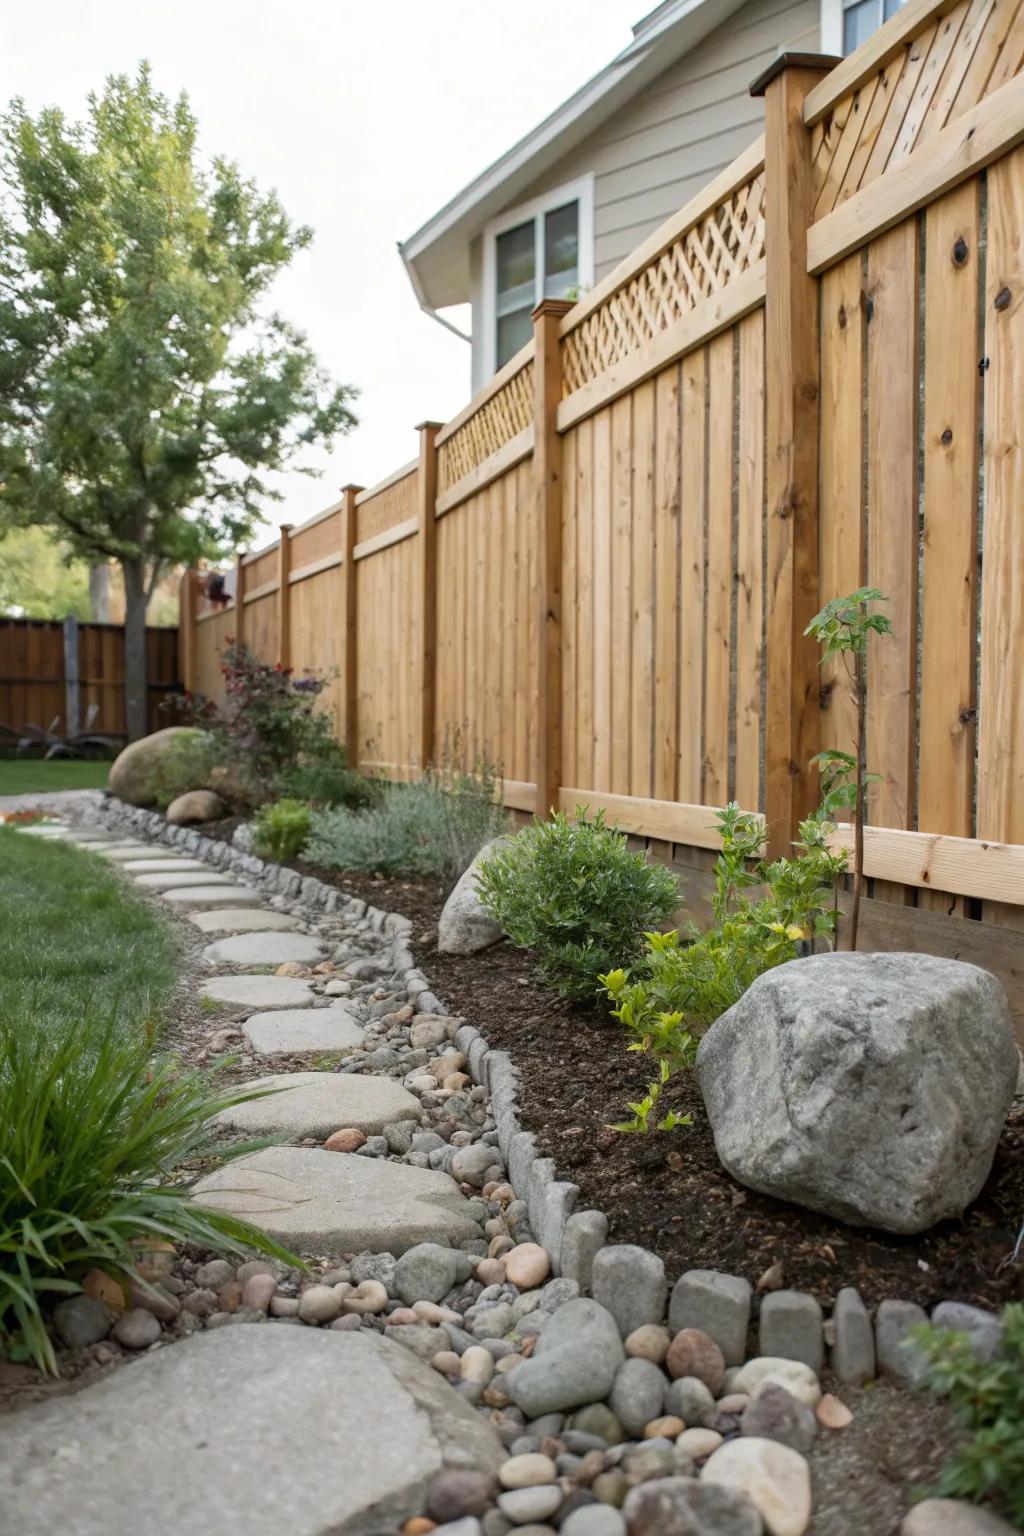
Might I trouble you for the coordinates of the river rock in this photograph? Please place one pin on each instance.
(427, 1272)
(916, 1047)
(682, 1506)
(630, 1282)
(195, 806)
(637, 1395)
(775, 1414)
(574, 1361)
(951, 1517)
(81, 1321)
(774, 1478)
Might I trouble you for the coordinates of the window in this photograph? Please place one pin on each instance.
(845, 24)
(544, 250)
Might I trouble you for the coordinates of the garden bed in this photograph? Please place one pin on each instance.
(667, 1190)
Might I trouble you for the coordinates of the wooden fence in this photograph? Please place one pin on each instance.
(61, 671)
(811, 378)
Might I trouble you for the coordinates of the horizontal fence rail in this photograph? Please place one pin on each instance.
(597, 575)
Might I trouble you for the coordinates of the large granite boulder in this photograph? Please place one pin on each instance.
(871, 1087)
(132, 772)
(464, 927)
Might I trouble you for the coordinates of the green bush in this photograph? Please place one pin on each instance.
(987, 1397)
(92, 1126)
(280, 830)
(326, 780)
(187, 764)
(574, 893)
(432, 827)
(680, 989)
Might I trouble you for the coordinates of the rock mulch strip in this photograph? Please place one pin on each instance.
(637, 1409)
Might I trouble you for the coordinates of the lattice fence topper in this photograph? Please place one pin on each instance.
(395, 504)
(507, 413)
(702, 261)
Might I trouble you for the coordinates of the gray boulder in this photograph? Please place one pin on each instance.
(464, 927)
(871, 1087)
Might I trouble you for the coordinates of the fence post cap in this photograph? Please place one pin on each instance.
(558, 307)
(424, 426)
(826, 62)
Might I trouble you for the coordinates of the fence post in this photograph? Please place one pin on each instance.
(187, 631)
(72, 694)
(547, 485)
(240, 601)
(349, 627)
(426, 570)
(793, 356)
(284, 596)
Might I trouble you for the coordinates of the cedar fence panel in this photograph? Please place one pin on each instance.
(35, 688)
(597, 575)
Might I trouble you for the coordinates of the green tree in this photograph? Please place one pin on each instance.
(38, 580)
(146, 388)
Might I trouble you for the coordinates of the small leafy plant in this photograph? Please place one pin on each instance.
(679, 989)
(575, 894)
(644, 1108)
(987, 1397)
(187, 764)
(280, 830)
(842, 629)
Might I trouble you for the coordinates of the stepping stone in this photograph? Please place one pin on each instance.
(210, 895)
(317, 1103)
(259, 991)
(265, 949)
(124, 853)
(239, 1429)
(92, 839)
(314, 1201)
(238, 920)
(186, 878)
(41, 829)
(291, 1032)
(166, 866)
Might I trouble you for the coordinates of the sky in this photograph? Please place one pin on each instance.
(366, 118)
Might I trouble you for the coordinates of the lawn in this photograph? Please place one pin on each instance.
(74, 940)
(35, 776)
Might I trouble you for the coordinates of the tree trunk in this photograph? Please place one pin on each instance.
(135, 648)
(99, 592)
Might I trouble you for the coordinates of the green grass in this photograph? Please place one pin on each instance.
(35, 776)
(75, 941)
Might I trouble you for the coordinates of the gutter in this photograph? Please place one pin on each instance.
(421, 297)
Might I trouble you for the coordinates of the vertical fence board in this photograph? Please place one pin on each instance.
(750, 561)
(691, 597)
(892, 519)
(642, 593)
(603, 652)
(585, 628)
(666, 579)
(620, 576)
(948, 657)
(721, 406)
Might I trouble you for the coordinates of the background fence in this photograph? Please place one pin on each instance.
(600, 571)
(54, 671)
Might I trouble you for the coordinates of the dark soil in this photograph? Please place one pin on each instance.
(667, 1190)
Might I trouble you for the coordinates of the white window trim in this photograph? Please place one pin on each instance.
(580, 192)
(832, 27)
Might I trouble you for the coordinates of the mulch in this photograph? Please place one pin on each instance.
(666, 1190)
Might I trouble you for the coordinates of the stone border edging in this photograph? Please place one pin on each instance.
(790, 1323)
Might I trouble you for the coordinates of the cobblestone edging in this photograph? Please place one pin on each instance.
(790, 1324)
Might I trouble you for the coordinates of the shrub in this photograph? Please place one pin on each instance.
(280, 829)
(92, 1125)
(574, 893)
(680, 989)
(187, 764)
(432, 827)
(988, 1400)
(327, 780)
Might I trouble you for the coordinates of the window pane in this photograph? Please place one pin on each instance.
(514, 331)
(890, 7)
(561, 251)
(516, 268)
(859, 22)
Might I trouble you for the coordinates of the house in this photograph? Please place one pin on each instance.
(560, 209)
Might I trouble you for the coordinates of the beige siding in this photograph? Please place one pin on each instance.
(658, 151)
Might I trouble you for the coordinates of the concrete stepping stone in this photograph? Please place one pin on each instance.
(124, 853)
(42, 829)
(173, 882)
(337, 1202)
(209, 895)
(239, 920)
(265, 949)
(237, 1430)
(258, 991)
(317, 1103)
(169, 865)
(290, 1032)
